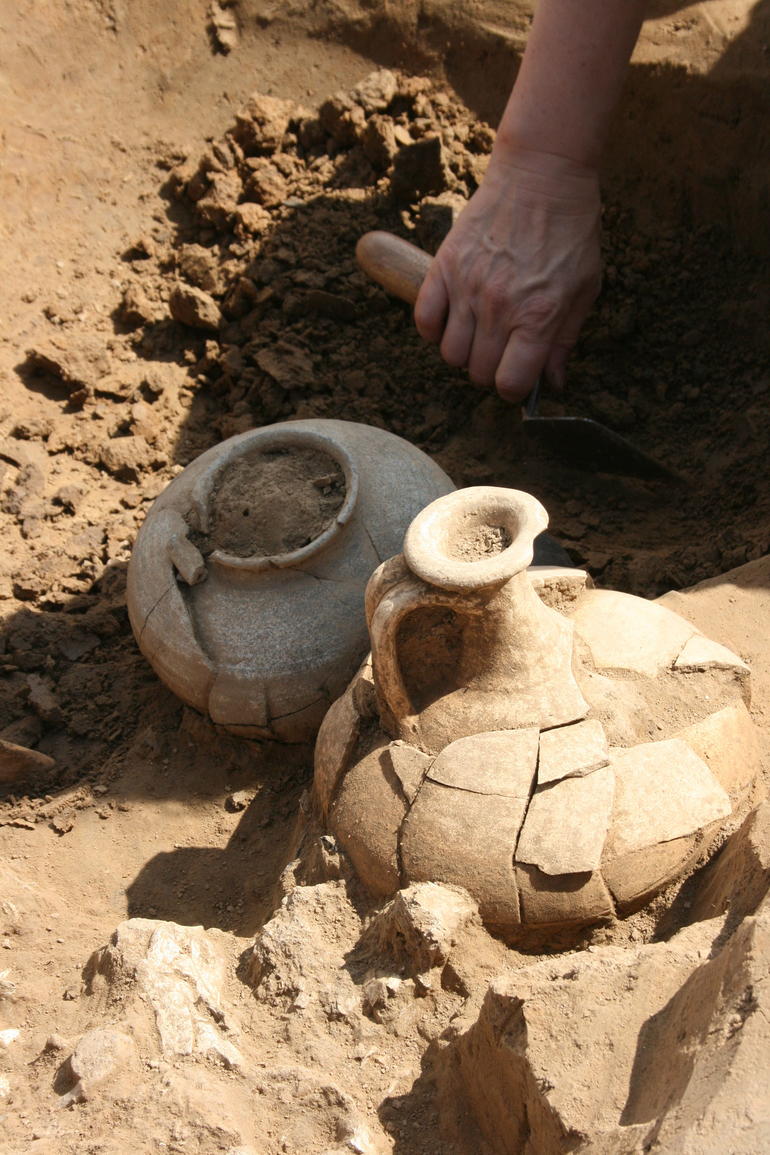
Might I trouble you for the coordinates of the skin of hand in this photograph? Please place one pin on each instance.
(514, 280)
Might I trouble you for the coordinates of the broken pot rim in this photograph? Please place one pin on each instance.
(433, 530)
(263, 441)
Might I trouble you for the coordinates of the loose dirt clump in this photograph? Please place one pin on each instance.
(274, 503)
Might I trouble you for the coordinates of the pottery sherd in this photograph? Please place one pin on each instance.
(499, 762)
(662, 791)
(367, 819)
(704, 654)
(572, 751)
(560, 900)
(334, 746)
(410, 766)
(628, 633)
(466, 839)
(634, 878)
(566, 824)
(727, 743)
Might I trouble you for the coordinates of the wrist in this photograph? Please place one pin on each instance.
(542, 173)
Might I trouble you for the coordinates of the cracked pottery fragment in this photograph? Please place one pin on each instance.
(499, 759)
(247, 579)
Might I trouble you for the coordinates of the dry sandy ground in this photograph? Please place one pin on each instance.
(99, 101)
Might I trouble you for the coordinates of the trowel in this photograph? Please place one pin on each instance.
(401, 269)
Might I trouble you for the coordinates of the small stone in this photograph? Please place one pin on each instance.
(62, 824)
(43, 700)
(379, 141)
(18, 762)
(198, 265)
(422, 924)
(136, 308)
(8, 1036)
(266, 185)
(238, 801)
(572, 751)
(375, 93)
(56, 1043)
(98, 1054)
(262, 123)
(194, 307)
(127, 457)
(289, 366)
(420, 169)
(566, 824)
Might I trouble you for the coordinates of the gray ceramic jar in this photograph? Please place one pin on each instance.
(264, 644)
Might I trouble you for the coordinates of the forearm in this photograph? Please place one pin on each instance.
(570, 78)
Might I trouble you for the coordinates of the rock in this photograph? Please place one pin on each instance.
(304, 946)
(566, 824)
(466, 839)
(70, 497)
(98, 1055)
(501, 762)
(728, 743)
(251, 219)
(81, 363)
(334, 746)
(8, 1036)
(238, 801)
(179, 973)
(627, 633)
(199, 266)
(422, 924)
(410, 766)
(585, 1048)
(136, 308)
(143, 422)
(704, 654)
(43, 700)
(266, 185)
(127, 457)
(375, 93)
(378, 141)
(223, 27)
(367, 819)
(290, 367)
(330, 305)
(342, 118)
(572, 751)
(194, 307)
(662, 792)
(18, 762)
(262, 123)
(420, 169)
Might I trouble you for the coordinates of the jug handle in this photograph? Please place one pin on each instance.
(396, 603)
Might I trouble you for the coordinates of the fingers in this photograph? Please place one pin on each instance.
(432, 306)
(527, 350)
(458, 335)
(566, 338)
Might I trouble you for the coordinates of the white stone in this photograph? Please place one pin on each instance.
(663, 791)
(566, 824)
(179, 972)
(8, 1036)
(572, 751)
(98, 1054)
(627, 633)
(704, 654)
(498, 762)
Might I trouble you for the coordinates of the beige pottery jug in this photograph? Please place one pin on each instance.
(461, 642)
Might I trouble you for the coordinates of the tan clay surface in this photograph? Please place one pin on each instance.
(151, 815)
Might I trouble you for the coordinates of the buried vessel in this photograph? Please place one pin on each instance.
(246, 583)
(562, 753)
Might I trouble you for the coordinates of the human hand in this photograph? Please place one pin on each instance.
(515, 278)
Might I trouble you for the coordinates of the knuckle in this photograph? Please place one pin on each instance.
(539, 312)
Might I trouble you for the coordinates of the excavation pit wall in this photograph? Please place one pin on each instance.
(150, 814)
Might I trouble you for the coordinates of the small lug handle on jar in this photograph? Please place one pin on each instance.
(398, 266)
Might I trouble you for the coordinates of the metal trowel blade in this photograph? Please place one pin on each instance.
(587, 444)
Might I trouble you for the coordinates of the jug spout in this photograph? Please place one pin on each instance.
(461, 643)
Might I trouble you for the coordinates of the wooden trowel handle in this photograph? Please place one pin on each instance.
(398, 266)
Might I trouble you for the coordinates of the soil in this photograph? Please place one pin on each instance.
(481, 541)
(273, 504)
(108, 115)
